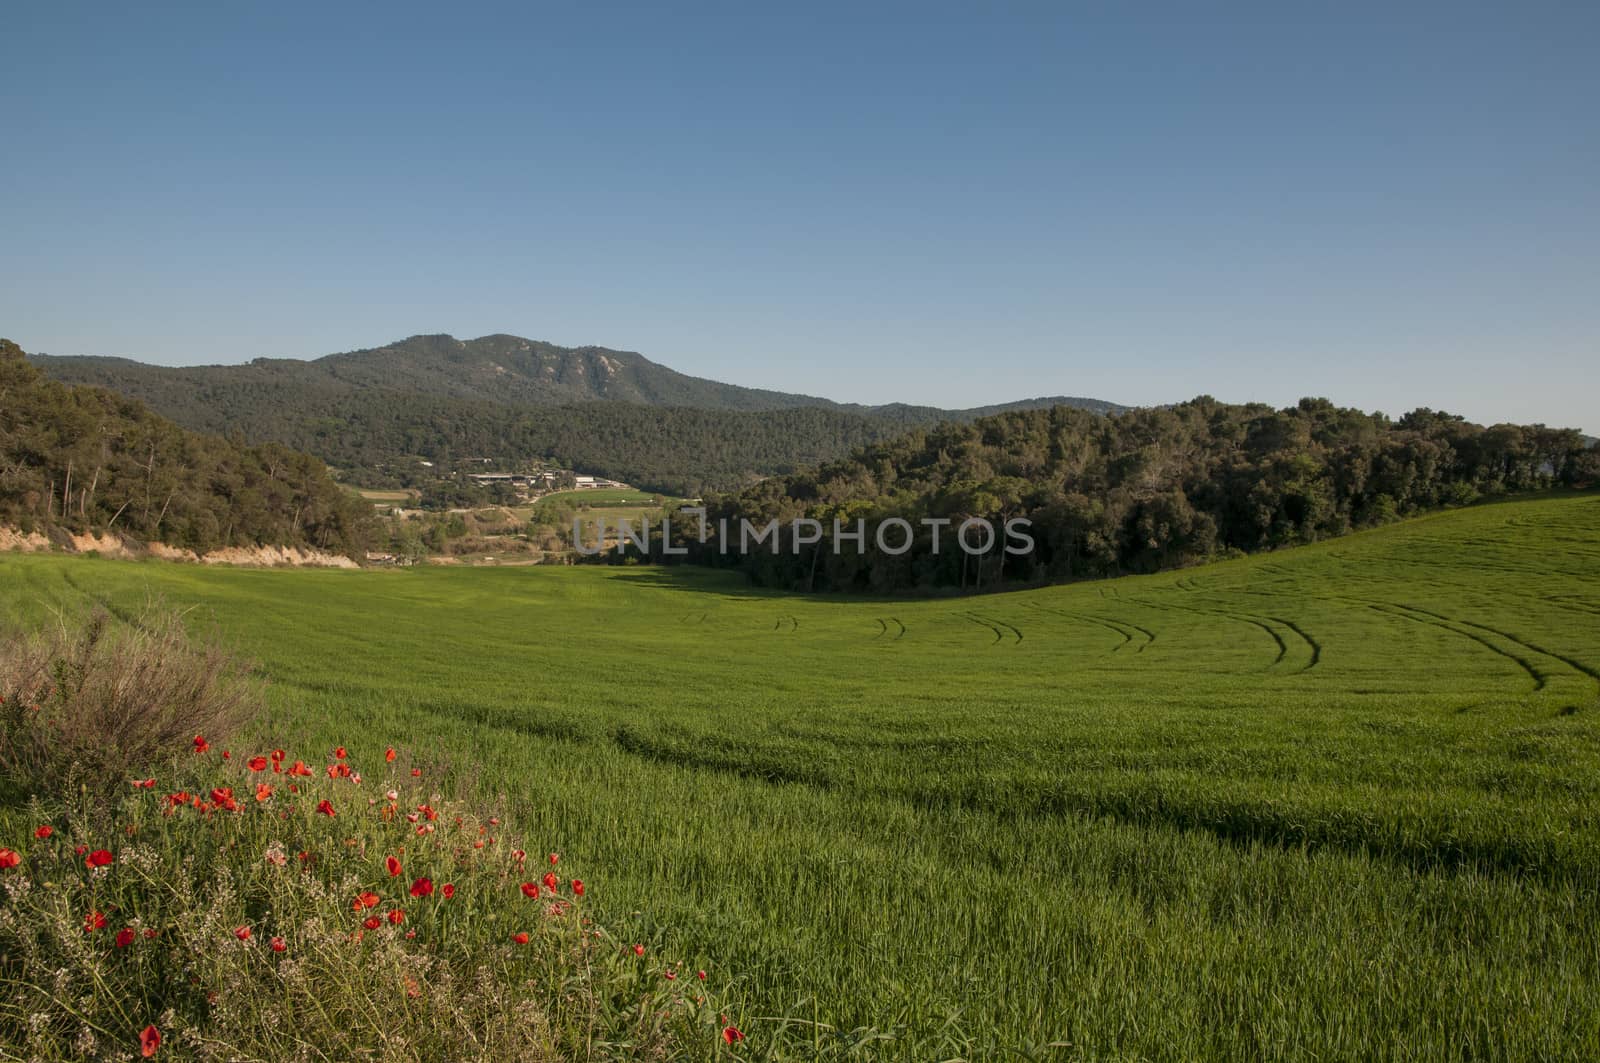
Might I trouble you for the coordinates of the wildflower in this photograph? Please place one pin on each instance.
(529, 889)
(416, 773)
(393, 795)
(256, 764)
(242, 933)
(494, 821)
(365, 899)
(732, 1035)
(278, 944)
(550, 881)
(638, 950)
(98, 858)
(222, 797)
(125, 937)
(200, 744)
(263, 791)
(95, 920)
(340, 753)
(520, 937)
(151, 933)
(338, 771)
(277, 756)
(44, 831)
(518, 855)
(554, 858)
(388, 754)
(396, 917)
(149, 1041)
(670, 975)
(393, 865)
(372, 922)
(449, 890)
(299, 768)
(422, 887)
(326, 807)
(226, 755)
(700, 975)
(9, 859)
(577, 886)
(146, 784)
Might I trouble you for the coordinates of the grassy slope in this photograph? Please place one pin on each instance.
(1341, 798)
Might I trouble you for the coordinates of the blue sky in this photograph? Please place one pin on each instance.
(1389, 205)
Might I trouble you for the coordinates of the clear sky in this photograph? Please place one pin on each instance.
(1389, 205)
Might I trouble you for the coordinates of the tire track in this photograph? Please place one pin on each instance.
(1015, 631)
(1577, 666)
(1119, 627)
(1401, 611)
(973, 618)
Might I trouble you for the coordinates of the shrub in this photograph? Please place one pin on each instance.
(95, 703)
(258, 908)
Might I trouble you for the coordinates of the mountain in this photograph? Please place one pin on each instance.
(79, 460)
(439, 398)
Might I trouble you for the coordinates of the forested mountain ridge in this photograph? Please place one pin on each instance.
(84, 460)
(373, 412)
(1142, 490)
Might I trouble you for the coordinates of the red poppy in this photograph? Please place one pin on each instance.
(263, 791)
(577, 886)
(700, 975)
(277, 756)
(518, 855)
(388, 754)
(149, 1041)
(449, 890)
(95, 920)
(365, 899)
(222, 797)
(200, 744)
(151, 933)
(338, 771)
(299, 768)
(44, 831)
(9, 859)
(550, 881)
(340, 753)
(529, 889)
(257, 764)
(396, 917)
(372, 922)
(99, 858)
(521, 937)
(671, 976)
(554, 857)
(416, 773)
(638, 950)
(423, 887)
(125, 937)
(242, 933)
(278, 944)
(147, 784)
(393, 865)
(326, 807)
(226, 755)
(732, 1035)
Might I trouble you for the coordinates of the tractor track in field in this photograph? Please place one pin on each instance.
(999, 625)
(794, 625)
(1405, 612)
(1120, 627)
(1265, 623)
(1575, 665)
(884, 629)
(974, 619)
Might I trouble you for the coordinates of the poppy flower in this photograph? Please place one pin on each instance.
(518, 855)
(149, 1041)
(388, 754)
(44, 831)
(263, 791)
(278, 944)
(396, 917)
(529, 889)
(200, 744)
(340, 753)
(671, 976)
(326, 807)
(151, 933)
(99, 858)
(577, 886)
(147, 784)
(423, 887)
(242, 933)
(125, 937)
(638, 950)
(9, 859)
(550, 881)
(449, 890)
(700, 975)
(416, 773)
(364, 899)
(257, 764)
(299, 768)
(521, 937)
(372, 922)
(732, 1035)
(393, 865)
(95, 920)
(554, 858)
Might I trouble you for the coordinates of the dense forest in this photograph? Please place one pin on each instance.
(81, 460)
(1139, 491)
(374, 414)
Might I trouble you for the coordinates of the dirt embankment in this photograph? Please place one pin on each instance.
(113, 545)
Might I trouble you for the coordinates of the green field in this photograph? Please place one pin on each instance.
(1335, 802)
(605, 496)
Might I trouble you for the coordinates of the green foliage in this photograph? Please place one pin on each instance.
(82, 460)
(1332, 802)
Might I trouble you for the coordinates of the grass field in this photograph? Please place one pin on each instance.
(606, 496)
(1336, 802)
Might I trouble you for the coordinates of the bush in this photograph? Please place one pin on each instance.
(257, 908)
(98, 702)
